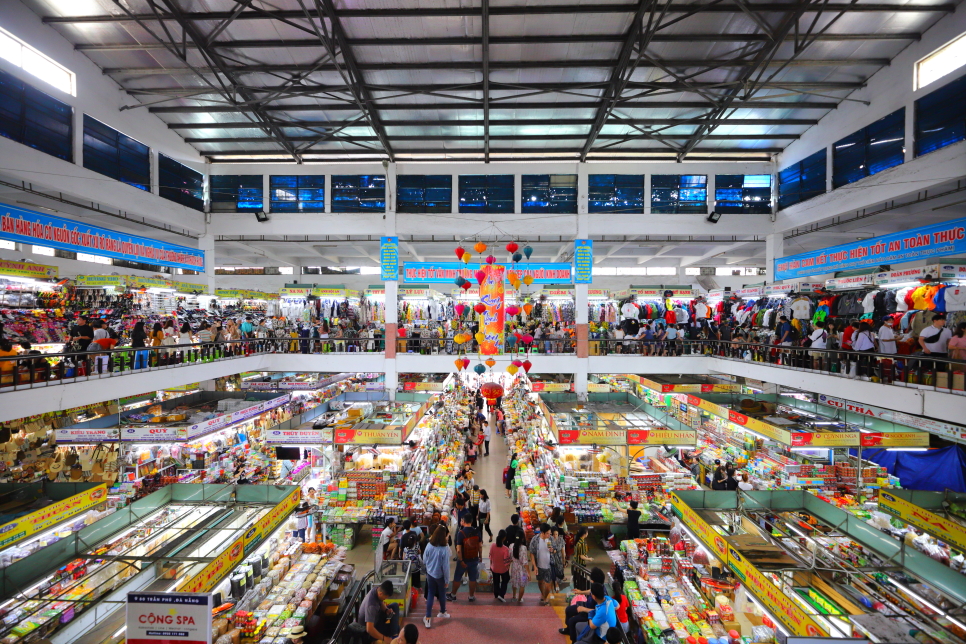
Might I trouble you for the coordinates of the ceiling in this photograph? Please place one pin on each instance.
(291, 80)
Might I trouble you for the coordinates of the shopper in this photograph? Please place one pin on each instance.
(601, 619)
(540, 564)
(138, 341)
(381, 619)
(486, 439)
(887, 337)
(436, 563)
(580, 547)
(718, 480)
(184, 337)
(744, 483)
(786, 333)
(469, 554)
(934, 339)
(576, 615)
(500, 562)
(519, 567)
(847, 334)
(558, 556)
(510, 475)
(633, 521)
(514, 530)
(410, 552)
(731, 480)
(957, 343)
(301, 521)
(622, 605)
(483, 514)
(387, 545)
(818, 339)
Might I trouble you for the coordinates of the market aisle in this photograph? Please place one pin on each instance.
(482, 623)
(489, 476)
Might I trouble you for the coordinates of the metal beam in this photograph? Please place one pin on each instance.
(520, 155)
(265, 68)
(485, 17)
(495, 151)
(577, 136)
(436, 10)
(235, 125)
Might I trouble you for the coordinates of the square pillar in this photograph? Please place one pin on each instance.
(774, 248)
(206, 243)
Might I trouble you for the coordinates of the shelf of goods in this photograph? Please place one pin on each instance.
(820, 570)
(77, 584)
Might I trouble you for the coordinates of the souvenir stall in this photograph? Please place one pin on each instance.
(602, 307)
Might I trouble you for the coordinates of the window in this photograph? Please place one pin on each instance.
(236, 192)
(33, 62)
(549, 193)
(179, 183)
(297, 193)
(876, 147)
(615, 193)
(286, 270)
(424, 193)
(742, 193)
(7, 244)
(941, 117)
(745, 271)
(679, 193)
(187, 271)
(604, 270)
(802, 181)
(97, 259)
(692, 270)
(662, 270)
(43, 250)
(141, 266)
(485, 193)
(115, 155)
(31, 117)
(359, 193)
(944, 60)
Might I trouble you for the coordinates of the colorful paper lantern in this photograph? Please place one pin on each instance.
(467, 285)
(459, 364)
(491, 391)
(459, 252)
(527, 339)
(467, 258)
(527, 308)
(512, 310)
(512, 369)
(479, 247)
(511, 340)
(517, 363)
(480, 369)
(512, 247)
(527, 250)
(490, 259)
(459, 308)
(480, 338)
(466, 362)
(480, 307)
(480, 277)
(458, 281)
(489, 362)
(526, 366)
(517, 257)
(528, 279)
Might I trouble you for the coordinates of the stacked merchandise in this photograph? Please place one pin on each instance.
(602, 312)
(342, 535)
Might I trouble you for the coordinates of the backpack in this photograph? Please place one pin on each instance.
(472, 547)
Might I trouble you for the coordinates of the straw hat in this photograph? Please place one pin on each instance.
(297, 631)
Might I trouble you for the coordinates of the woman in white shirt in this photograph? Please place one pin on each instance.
(819, 338)
(887, 337)
(864, 342)
(744, 484)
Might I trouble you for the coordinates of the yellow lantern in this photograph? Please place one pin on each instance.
(527, 279)
(480, 337)
(512, 369)
(467, 257)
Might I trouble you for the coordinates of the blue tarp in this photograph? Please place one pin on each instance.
(935, 470)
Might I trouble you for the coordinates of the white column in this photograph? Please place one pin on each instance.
(78, 138)
(155, 172)
(583, 190)
(206, 243)
(580, 380)
(829, 168)
(582, 303)
(455, 198)
(774, 248)
(711, 187)
(517, 192)
(328, 192)
(910, 136)
(266, 193)
(391, 187)
(392, 378)
(392, 317)
(392, 305)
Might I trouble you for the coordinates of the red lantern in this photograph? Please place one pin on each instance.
(480, 308)
(480, 277)
(512, 247)
(527, 365)
(466, 362)
(467, 285)
(459, 252)
(491, 391)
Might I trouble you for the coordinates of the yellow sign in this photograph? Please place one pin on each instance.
(41, 520)
(713, 541)
(329, 291)
(231, 294)
(690, 388)
(598, 387)
(896, 439)
(783, 436)
(662, 437)
(215, 571)
(264, 526)
(940, 527)
(189, 287)
(189, 387)
(778, 603)
(148, 282)
(593, 437)
(118, 281)
(27, 269)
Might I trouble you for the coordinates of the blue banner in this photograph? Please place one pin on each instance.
(938, 240)
(583, 261)
(389, 258)
(29, 227)
(446, 272)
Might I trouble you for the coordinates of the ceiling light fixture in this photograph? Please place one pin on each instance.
(262, 217)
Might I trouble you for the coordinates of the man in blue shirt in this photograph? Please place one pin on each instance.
(247, 328)
(785, 333)
(601, 619)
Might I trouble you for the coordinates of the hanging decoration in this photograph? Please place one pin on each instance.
(512, 247)
(490, 259)
(459, 308)
(489, 362)
(479, 247)
(527, 250)
(480, 276)
(480, 307)
(459, 364)
(491, 391)
(479, 369)
(460, 251)
(467, 257)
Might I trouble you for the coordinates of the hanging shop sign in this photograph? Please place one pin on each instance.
(86, 435)
(230, 293)
(948, 430)
(713, 541)
(392, 435)
(752, 424)
(583, 261)
(422, 386)
(294, 436)
(777, 602)
(793, 287)
(947, 238)
(940, 527)
(895, 439)
(492, 292)
(825, 439)
(329, 291)
(117, 281)
(751, 291)
(592, 437)
(933, 271)
(200, 429)
(691, 388)
(647, 291)
(188, 287)
(855, 439)
(446, 272)
(192, 386)
(291, 291)
(169, 618)
(686, 437)
(854, 281)
(266, 524)
(148, 282)
(410, 291)
(216, 570)
(598, 387)
(27, 269)
(389, 259)
(29, 227)
(550, 386)
(621, 295)
(152, 434)
(684, 291)
(36, 522)
(598, 293)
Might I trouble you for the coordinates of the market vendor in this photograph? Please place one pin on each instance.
(381, 619)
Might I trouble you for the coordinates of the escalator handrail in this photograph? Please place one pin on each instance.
(348, 615)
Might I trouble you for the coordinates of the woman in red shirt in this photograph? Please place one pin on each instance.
(500, 566)
(622, 607)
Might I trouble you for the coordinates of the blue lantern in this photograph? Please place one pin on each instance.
(480, 369)
(458, 281)
(510, 340)
(528, 250)
(517, 257)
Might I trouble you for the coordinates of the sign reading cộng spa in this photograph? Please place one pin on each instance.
(169, 618)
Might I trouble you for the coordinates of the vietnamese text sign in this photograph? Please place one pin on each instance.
(592, 437)
(27, 269)
(447, 272)
(264, 526)
(194, 431)
(168, 618)
(947, 238)
(695, 388)
(662, 437)
(942, 528)
(29, 227)
(753, 424)
(948, 430)
(713, 541)
(151, 434)
(216, 570)
(895, 439)
(391, 435)
(389, 258)
(583, 261)
(294, 436)
(87, 435)
(825, 439)
(550, 386)
(36, 522)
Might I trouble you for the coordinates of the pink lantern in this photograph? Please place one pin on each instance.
(480, 277)
(517, 363)
(459, 308)
(527, 339)
(512, 310)
(490, 259)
